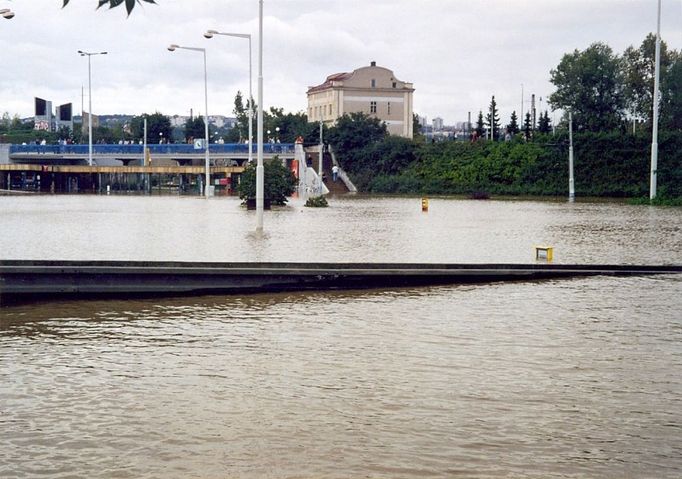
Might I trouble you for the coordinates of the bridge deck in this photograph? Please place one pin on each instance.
(86, 169)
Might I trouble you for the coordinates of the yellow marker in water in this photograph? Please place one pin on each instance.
(544, 252)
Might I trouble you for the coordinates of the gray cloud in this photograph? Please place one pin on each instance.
(457, 53)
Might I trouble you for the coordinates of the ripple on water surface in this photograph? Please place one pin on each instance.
(576, 378)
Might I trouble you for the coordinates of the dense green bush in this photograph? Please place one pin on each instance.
(614, 164)
(279, 182)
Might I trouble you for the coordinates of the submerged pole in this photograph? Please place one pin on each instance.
(571, 179)
(654, 135)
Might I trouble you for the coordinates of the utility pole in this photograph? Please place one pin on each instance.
(260, 179)
(319, 166)
(654, 135)
(521, 117)
(571, 179)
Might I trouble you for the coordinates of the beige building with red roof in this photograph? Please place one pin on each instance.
(372, 90)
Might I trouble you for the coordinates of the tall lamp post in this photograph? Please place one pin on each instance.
(654, 135)
(89, 55)
(172, 48)
(260, 177)
(6, 13)
(210, 34)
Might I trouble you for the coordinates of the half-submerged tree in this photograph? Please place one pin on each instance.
(280, 182)
(130, 4)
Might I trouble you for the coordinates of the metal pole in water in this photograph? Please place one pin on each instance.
(319, 166)
(654, 136)
(207, 188)
(144, 156)
(571, 179)
(260, 180)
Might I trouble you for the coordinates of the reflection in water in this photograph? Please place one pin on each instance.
(564, 378)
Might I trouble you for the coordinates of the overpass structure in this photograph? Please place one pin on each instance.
(230, 154)
(122, 168)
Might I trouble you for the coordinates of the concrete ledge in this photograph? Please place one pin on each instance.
(33, 280)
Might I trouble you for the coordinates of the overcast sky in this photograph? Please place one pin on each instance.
(457, 53)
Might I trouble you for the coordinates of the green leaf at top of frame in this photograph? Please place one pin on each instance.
(130, 4)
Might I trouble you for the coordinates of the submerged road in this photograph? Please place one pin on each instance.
(36, 280)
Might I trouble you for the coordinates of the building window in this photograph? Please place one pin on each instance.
(372, 107)
(389, 107)
(330, 110)
(395, 84)
(374, 83)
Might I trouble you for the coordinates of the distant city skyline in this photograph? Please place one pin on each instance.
(456, 54)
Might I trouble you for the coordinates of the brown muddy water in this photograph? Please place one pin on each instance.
(561, 378)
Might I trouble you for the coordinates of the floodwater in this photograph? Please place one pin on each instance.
(546, 379)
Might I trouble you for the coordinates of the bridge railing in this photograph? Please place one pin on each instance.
(163, 149)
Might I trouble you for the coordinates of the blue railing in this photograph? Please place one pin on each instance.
(164, 149)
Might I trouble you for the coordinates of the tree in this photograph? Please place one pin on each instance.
(195, 128)
(353, 132)
(639, 66)
(590, 83)
(158, 127)
(279, 182)
(480, 126)
(241, 113)
(544, 123)
(416, 126)
(130, 4)
(493, 119)
(513, 126)
(291, 126)
(5, 122)
(671, 93)
(527, 127)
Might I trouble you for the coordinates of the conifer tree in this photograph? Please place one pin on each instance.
(513, 126)
(480, 126)
(544, 123)
(493, 119)
(528, 127)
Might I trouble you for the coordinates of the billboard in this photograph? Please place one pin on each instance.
(41, 107)
(65, 112)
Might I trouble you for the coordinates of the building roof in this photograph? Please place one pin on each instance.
(328, 82)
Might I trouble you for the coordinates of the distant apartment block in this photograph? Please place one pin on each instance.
(437, 124)
(219, 121)
(372, 90)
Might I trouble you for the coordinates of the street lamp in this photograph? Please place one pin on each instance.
(172, 48)
(209, 34)
(89, 55)
(260, 178)
(259, 165)
(7, 13)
